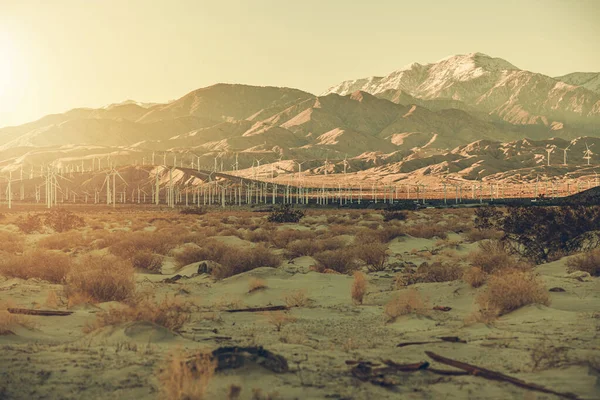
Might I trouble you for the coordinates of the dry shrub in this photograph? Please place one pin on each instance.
(281, 238)
(512, 290)
(588, 262)
(42, 264)
(427, 231)
(438, 272)
(477, 235)
(171, 313)
(126, 244)
(390, 232)
(30, 224)
(62, 220)
(212, 250)
(279, 319)
(474, 276)
(339, 230)
(64, 241)
(238, 260)
(256, 284)
(11, 243)
(359, 287)
(547, 354)
(187, 378)
(52, 299)
(296, 298)
(147, 260)
(374, 254)
(493, 256)
(406, 302)
(303, 247)
(258, 236)
(101, 278)
(342, 260)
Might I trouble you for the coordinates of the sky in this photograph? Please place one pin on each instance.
(62, 54)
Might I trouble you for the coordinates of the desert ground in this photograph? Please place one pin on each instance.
(339, 301)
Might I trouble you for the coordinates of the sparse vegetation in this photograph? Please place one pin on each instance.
(285, 214)
(406, 302)
(474, 276)
(185, 377)
(256, 284)
(101, 278)
(373, 254)
(341, 260)
(359, 287)
(587, 262)
(512, 290)
(50, 266)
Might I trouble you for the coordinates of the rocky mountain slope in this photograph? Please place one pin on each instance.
(466, 114)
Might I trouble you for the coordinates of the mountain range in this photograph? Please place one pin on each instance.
(471, 116)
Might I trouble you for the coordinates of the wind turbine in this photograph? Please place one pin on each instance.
(549, 150)
(565, 153)
(587, 154)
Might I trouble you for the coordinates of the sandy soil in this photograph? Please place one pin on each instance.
(56, 360)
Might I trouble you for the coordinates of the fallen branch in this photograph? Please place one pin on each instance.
(172, 279)
(43, 313)
(497, 376)
(260, 309)
(235, 357)
(451, 339)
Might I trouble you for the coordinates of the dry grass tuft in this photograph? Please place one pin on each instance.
(64, 241)
(427, 231)
(101, 278)
(256, 284)
(511, 291)
(587, 262)
(185, 378)
(171, 313)
(439, 272)
(12, 243)
(42, 264)
(475, 277)
(236, 260)
(407, 302)
(359, 287)
(477, 235)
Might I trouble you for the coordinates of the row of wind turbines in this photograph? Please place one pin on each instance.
(587, 153)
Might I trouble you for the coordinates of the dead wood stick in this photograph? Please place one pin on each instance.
(404, 344)
(44, 313)
(260, 309)
(406, 367)
(451, 339)
(497, 376)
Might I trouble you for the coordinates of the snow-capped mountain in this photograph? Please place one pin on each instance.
(488, 85)
(588, 80)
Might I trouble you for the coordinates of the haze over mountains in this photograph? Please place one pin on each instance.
(465, 115)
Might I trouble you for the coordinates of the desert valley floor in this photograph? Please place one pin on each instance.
(336, 336)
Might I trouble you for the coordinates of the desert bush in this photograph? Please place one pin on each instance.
(545, 233)
(427, 231)
(390, 215)
(64, 241)
(193, 211)
(235, 261)
(406, 302)
(474, 276)
(42, 264)
(147, 260)
(390, 232)
(296, 298)
(171, 313)
(359, 287)
(29, 224)
(303, 247)
(486, 218)
(282, 238)
(11, 243)
(477, 235)
(285, 214)
(186, 378)
(342, 260)
(258, 235)
(438, 272)
(512, 290)
(62, 220)
(493, 256)
(279, 319)
(127, 244)
(374, 254)
(588, 262)
(101, 278)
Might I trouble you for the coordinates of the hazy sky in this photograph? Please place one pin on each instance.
(60, 54)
